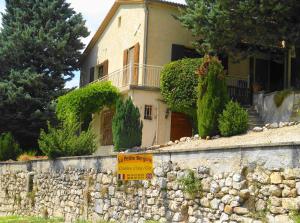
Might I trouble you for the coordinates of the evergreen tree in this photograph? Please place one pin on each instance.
(229, 25)
(127, 127)
(212, 96)
(40, 45)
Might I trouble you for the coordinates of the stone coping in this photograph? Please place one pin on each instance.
(167, 152)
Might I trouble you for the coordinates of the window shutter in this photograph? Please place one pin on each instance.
(136, 53)
(92, 71)
(125, 57)
(136, 63)
(105, 68)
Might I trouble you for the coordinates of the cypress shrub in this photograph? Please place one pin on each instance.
(212, 96)
(9, 148)
(127, 127)
(233, 120)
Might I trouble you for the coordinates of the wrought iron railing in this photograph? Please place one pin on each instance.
(239, 89)
(135, 75)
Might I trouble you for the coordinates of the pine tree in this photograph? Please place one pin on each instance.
(229, 26)
(127, 127)
(40, 45)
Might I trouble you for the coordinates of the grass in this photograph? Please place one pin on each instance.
(18, 219)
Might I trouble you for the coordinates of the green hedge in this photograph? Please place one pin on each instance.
(233, 120)
(212, 96)
(179, 83)
(79, 104)
(127, 126)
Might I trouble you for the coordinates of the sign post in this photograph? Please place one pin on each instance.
(135, 166)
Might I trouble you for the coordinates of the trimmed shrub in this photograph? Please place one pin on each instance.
(78, 105)
(212, 96)
(179, 83)
(233, 120)
(9, 148)
(67, 140)
(126, 126)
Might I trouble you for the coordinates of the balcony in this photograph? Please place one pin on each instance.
(134, 75)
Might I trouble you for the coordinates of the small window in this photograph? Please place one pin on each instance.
(100, 71)
(119, 21)
(148, 112)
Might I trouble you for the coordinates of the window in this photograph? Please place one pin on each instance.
(92, 70)
(148, 112)
(100, 71)
(119, 21)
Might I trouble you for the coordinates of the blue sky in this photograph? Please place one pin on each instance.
(93, 12)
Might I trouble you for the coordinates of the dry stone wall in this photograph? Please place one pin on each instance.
(253, 192)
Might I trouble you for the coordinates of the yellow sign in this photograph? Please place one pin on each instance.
(135, 166)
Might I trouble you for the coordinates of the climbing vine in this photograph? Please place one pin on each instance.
(79, 104)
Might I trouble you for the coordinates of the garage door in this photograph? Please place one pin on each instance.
(180, 126)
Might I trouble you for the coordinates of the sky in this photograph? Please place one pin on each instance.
(93, 12)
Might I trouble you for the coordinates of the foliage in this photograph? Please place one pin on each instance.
(226, 25)
(233, 120)
(79, 104)
(179, 83)
(212, 96)
(67, 141)
(40, 44)
(295, 216)
(280, 96)
(191, 184)
(126, 126)
(9, 148)
(18, 219)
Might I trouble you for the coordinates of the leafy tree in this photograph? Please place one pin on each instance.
(212, 96)
(9, 148)
(179, 83)
(229, 25)
(126, 126)
(40, 44)
(67, 141)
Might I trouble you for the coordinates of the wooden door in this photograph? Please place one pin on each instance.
(180, 126)
(106, 130)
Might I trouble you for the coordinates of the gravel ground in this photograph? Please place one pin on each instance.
(281, 135)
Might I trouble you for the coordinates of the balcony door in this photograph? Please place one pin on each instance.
(131, 65)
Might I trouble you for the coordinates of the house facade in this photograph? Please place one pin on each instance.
(135, 40)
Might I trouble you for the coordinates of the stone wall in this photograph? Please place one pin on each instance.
(238, 185)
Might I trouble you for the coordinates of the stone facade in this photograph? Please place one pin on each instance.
(251, 193)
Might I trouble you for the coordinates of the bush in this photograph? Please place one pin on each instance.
(67, 141)
(126, 126)
(212, 96)
(9, 148)
(233, 120)
(179, 83)
(78, 105)
(191, 184)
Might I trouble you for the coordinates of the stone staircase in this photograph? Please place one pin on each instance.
(254, 118)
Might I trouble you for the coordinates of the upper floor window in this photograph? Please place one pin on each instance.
(102, 69)
(119, 21)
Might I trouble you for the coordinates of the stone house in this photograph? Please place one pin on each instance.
(136, 39)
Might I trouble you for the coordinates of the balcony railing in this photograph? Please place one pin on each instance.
(135, 75)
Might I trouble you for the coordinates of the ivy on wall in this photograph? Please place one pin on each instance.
(79, 104)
